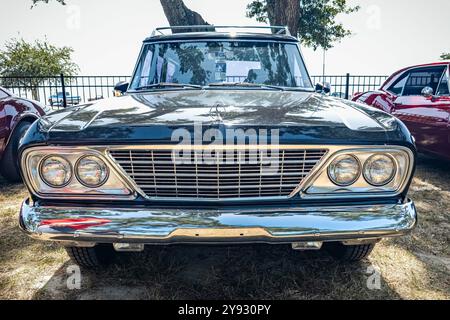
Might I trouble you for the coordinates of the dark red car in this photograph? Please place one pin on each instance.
(16, 116)
(420, 97)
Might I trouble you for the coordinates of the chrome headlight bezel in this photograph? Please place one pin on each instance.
(115, 187)
(319, 184)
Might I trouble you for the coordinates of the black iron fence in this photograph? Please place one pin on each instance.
(347, 85)
(61, 91)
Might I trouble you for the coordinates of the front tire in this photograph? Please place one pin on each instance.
(91, 258)
(9, 165)
(345, 253)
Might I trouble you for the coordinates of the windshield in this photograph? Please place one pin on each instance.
(220, 63)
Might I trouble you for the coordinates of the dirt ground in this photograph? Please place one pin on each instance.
(413, 267)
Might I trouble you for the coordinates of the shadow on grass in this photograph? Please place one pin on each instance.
(429, 242)
(427, 271)
(434, 170)
(221, 272)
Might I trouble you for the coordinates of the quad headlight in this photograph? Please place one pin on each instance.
(65, 172)
(362, 172)
(56, 171)
(91, 171)
(379, 169)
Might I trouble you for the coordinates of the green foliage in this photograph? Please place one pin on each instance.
(445, 56)
(19, 59)
(317, 23)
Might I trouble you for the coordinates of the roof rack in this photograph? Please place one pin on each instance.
(282, 30)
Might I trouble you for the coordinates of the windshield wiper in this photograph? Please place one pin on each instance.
(168, 85)
(245, 84)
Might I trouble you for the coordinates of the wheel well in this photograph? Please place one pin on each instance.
(28, 119)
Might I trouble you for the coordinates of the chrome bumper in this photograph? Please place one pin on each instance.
(89, 226)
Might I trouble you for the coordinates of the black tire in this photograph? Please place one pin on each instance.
(91, 258)
(9, 165)
(349, 253)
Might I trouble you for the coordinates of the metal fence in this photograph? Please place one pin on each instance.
(61, 91)
(347, 85)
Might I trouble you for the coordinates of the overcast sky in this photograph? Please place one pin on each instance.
(107, 34)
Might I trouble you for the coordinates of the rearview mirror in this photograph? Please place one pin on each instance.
(121, 87)
(323, 88)
(427, 92)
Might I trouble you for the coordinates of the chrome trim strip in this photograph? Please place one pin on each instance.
(235, 225)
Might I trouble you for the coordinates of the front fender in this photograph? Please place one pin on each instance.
(33, 137)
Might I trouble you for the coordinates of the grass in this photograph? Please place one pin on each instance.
(416, 266)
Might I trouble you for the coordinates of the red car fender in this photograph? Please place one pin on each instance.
(18, 110)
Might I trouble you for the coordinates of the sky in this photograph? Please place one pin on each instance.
(106, 35)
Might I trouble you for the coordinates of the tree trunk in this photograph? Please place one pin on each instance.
(284, 13)
(35, 93)
(179, 15)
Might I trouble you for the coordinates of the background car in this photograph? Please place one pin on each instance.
(338, 95)
(420, 97)
(16, 116)
(58, 99)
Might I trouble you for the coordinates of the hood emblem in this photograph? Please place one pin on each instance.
(215, 112)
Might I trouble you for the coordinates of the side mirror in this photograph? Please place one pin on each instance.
(121, 87)
(427, 92)
(323, 88)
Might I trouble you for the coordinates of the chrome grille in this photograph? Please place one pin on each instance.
(224, 174)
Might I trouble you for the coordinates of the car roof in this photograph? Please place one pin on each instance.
(432, 64)
(394, 76)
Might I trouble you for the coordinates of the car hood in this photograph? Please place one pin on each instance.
(152, 117)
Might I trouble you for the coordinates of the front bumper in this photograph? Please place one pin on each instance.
(86, 225)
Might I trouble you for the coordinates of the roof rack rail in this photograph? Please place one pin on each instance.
(213, 28)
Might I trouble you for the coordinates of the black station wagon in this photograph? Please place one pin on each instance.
(219, 138)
